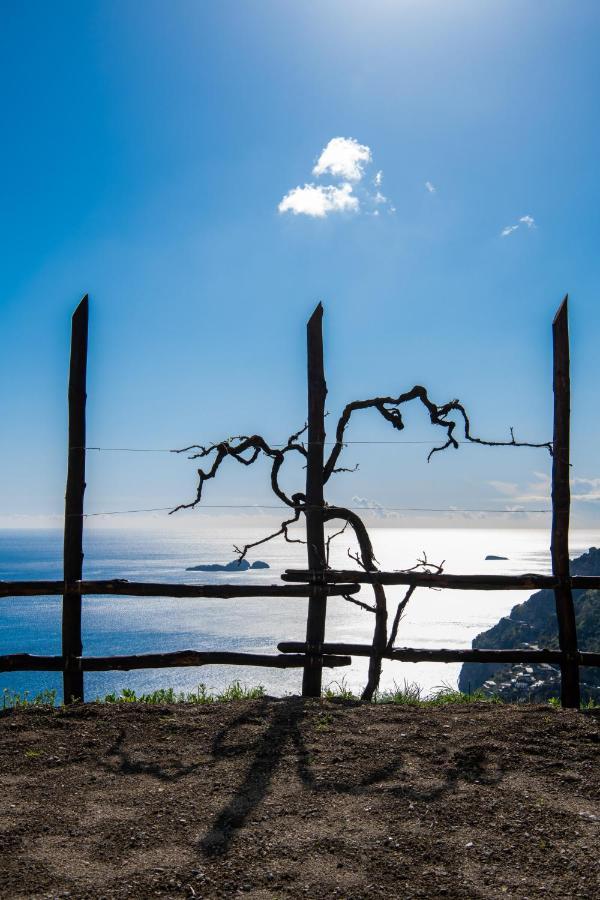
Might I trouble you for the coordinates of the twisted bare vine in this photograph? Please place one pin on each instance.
(246, 449)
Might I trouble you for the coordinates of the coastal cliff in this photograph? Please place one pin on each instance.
(533, 624)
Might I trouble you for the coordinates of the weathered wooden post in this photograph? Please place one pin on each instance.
(73, 539)
(315, 534)
(561, 502)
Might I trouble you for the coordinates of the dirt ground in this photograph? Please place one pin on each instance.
(291, 798)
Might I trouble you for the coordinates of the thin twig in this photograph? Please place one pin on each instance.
(428, 568)
(360, 603)
(329, 540)
(399, 613)
(283, 529)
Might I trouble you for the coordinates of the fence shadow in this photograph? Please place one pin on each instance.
(284, 728)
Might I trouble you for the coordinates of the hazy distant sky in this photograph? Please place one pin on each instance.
(208, 171)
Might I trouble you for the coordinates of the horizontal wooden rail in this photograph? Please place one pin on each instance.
(419, 654)
(123, 588)
(453, 582)
(27, 662)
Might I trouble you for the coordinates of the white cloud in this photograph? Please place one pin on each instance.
(461, 514)
(538, 491)
(343, 157)
(366, 503)
(374, 507)
(318, 201)
(507, 488)
(345, 160)
(430, 187)
(518, 512)
(583, 490)
(528, 220)
(586, 490)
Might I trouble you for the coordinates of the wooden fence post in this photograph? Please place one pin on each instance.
(561, 502)
(315, 534)
(73, 537)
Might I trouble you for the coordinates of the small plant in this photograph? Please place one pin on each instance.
(323, 722)
(410, 694)
(16, 700)
(237, 691)
(338, 690)
(200, 695)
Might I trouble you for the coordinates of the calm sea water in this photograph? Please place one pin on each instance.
(114, 625)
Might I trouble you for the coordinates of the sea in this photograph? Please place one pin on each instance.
(126, 625)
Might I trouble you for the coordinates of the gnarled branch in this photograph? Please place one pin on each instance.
(389, 408)
(236, 447)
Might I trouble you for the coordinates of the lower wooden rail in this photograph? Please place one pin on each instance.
(419, 654)
(27, 662)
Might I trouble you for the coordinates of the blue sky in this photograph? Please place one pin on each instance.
(146, 151)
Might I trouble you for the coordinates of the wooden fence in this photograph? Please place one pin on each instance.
(568, 656)
(316, 582)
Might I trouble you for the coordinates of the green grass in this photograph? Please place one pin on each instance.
(411, 694)
(445, 694)
(201, 696)
(407, 694)
(160, 697)
(590, 703)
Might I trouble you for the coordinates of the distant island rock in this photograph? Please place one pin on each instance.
(491, 556)
(236, 565)
(532, 624)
